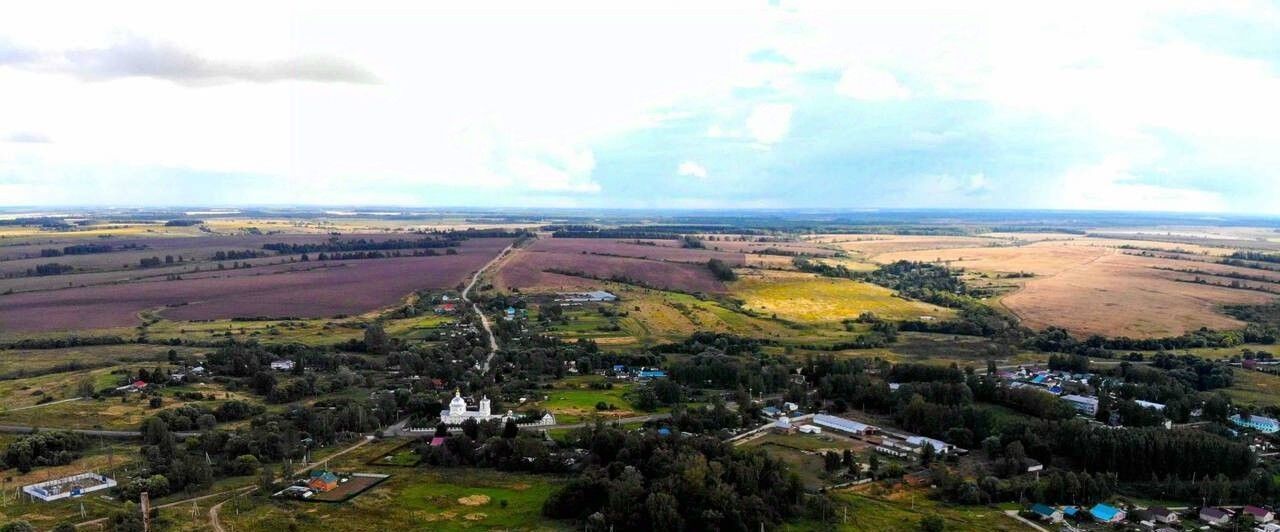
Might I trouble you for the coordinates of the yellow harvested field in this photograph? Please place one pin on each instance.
(873, 245)
(1030, 237)
(767, 261)
(1101, 290)
(808, 298)
(1121, 295)
(1150, 244)
(1043, 258)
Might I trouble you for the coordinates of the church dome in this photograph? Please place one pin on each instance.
(458, 402)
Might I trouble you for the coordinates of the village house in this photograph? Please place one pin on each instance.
(1163, 515)
(783, 426)
(1260, 515)
(1047, 513)
(133, 387)
(1214, 516)
(282, 365)
(322, 480)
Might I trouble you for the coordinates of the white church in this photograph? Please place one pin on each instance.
(458, 413)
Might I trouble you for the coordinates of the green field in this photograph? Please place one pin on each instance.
(1255, 387)
(444, 499)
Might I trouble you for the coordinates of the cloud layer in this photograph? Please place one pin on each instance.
(1144, 105)
(136, 57)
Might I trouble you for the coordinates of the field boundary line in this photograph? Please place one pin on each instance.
(50, 403)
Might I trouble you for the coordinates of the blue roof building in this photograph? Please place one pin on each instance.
(1046, 512)
(652, 374)
(1106, 513)
(1259, 423)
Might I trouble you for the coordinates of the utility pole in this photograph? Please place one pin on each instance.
(145, 503)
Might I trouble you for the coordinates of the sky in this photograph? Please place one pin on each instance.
(1164, 106)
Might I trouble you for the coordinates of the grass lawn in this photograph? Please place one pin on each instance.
(808, 298)
(416, 499)
(901, 511)
(573, 400)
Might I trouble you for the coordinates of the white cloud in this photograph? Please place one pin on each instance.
(26, 137)
(1110, 185)
(770, 122)
(555, 170)
(865, 83)
(691, 169)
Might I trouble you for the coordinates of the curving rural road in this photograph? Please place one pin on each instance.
(484, 320)
(213, 517)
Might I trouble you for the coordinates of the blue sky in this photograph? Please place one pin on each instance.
(1164, 106)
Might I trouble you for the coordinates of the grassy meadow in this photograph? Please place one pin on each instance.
(901, 510)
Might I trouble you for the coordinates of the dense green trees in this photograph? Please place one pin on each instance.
(685, 484)
(721, 270)
(44, 449)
